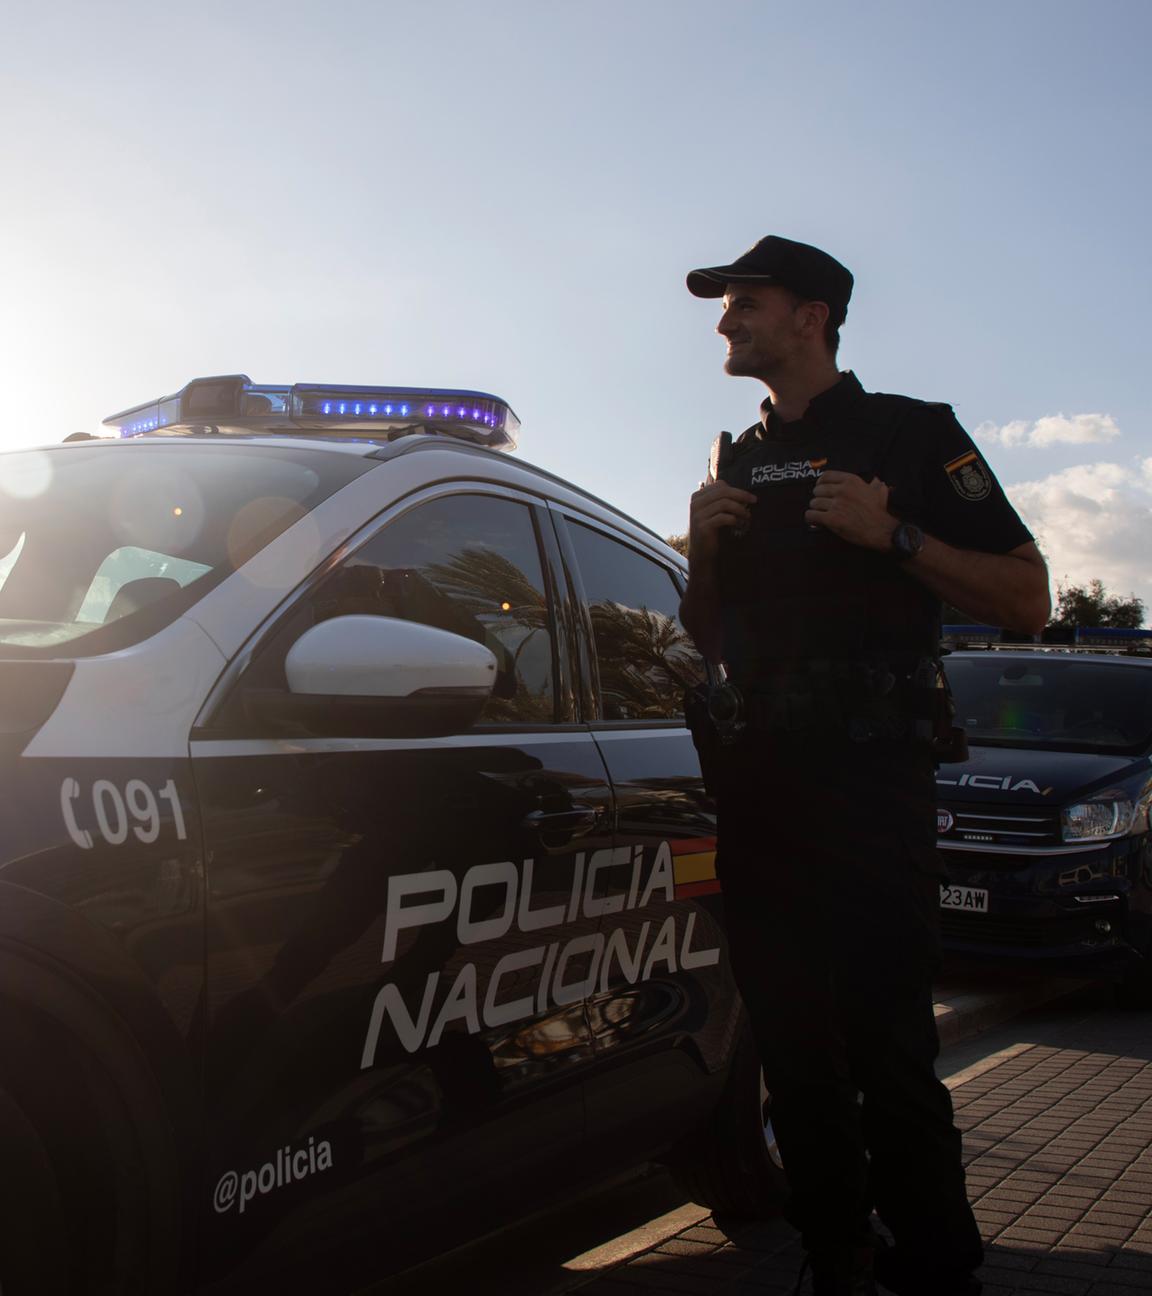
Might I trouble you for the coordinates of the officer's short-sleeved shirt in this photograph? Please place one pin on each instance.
(937, 476)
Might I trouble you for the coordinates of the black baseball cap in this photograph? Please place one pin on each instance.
(805, 270)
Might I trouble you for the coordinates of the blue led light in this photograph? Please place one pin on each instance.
(233, 403)
(486, 413)
(140, 426)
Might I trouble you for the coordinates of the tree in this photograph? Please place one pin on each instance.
(1092, 605)
(679, 543)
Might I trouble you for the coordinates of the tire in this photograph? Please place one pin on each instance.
(89, 1186)
(732, 1165)
(32, 1255)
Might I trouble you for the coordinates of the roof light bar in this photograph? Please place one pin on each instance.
(233, 403)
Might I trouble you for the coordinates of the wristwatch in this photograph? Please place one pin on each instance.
(907, 541)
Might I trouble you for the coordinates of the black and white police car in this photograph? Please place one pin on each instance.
(1044, 830)
(357, 884)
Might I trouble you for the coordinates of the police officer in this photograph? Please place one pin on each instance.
(818, 557)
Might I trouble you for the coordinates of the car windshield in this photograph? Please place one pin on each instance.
(1061, 703)
(101, 546)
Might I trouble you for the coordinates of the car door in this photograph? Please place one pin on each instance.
(665, 1011)
(398, 948)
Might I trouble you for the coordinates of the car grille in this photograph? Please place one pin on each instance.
(998, 824)
(987, 929)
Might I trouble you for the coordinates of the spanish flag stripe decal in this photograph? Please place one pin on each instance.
(694, 868)
(959, 463)
(692, 845)
(690, 889)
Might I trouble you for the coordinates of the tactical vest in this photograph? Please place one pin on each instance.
(795, 598)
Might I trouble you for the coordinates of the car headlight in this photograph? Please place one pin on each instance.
(1107, 815)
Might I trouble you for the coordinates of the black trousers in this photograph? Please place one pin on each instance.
(831, 903)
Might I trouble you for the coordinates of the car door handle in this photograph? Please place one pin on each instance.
(577, 822)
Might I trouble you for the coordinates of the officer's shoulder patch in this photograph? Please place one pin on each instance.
(969, 476)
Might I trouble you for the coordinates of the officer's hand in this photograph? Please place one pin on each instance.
(853, 509)
(716, 507)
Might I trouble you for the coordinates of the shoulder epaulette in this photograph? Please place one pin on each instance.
(896, 402)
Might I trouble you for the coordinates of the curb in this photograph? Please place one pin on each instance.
(960, 1015)
(594, 1264)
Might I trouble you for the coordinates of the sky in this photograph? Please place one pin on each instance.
(507, 195)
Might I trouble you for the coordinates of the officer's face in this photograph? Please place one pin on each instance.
(762, 328)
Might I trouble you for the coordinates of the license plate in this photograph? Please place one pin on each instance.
(971, 899)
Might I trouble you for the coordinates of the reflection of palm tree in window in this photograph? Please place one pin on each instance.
(488, 584)
(508, 613)
(646, 662)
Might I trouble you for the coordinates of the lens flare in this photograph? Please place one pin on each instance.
(158, 509)
(26, 475)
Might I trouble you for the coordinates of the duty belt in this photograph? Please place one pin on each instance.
(864, 701)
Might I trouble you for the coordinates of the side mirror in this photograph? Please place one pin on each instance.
(372, 676)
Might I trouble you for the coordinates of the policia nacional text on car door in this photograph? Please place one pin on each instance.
(356, 875)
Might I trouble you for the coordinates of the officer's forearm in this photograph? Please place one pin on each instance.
(1009, 590)
(700, 610)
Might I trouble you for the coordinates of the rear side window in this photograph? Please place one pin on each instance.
(644, 656)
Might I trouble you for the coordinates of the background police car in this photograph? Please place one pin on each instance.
(1044, 829)
(359, 882)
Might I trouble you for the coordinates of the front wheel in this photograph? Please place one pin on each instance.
(733, 1165)
(89, 1186)
(32, 1240)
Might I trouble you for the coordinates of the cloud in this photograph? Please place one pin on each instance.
(1093, 521)
(1052, 429)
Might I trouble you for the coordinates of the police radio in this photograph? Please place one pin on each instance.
(719, 461)
(719, 457)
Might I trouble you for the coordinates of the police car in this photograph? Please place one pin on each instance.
(1044, 829)
(357, 883)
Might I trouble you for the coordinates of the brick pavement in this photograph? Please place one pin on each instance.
(1057, 1135)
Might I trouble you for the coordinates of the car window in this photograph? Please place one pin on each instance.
(644, 656)
(469, 564)
(102, 546)
(1063, 703)
(129, 576)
